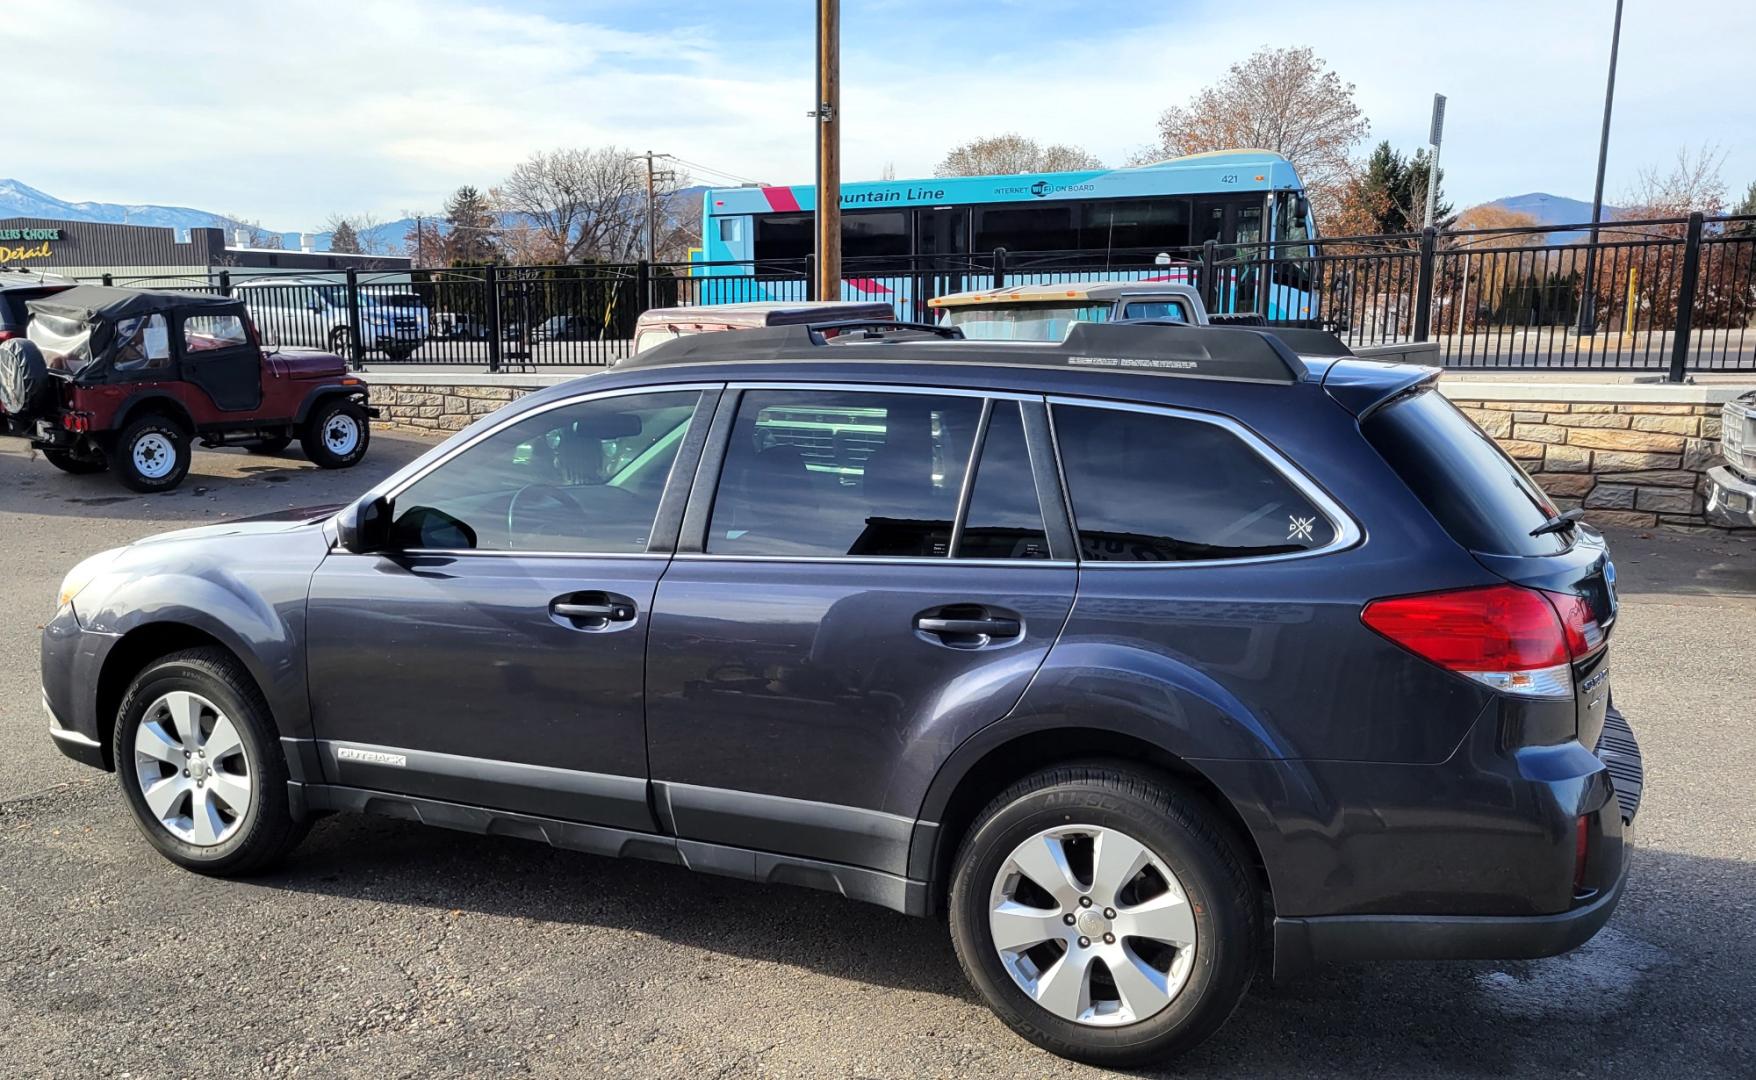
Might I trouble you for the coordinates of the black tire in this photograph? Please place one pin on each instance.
(338, 342)
(1176, 827)
(24, 378)
(139, 448)
(69, 462)
(269, 446)
(266, 831)
(400, 353)
(316, 436)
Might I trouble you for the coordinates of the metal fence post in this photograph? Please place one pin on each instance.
(225, 283)
(1686, 300)
(492, 283)
(1209, 269)
(643, 300)
(999, 268)
(109, 280)
(357, 354)
(1424, 283)
(811, 276)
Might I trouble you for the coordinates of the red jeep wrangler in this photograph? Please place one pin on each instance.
(125, 379)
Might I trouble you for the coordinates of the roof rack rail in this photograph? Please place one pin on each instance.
(1140, 347)
(1303, 340)
(877, 328)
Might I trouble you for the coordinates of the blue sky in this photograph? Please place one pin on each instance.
(292, 110)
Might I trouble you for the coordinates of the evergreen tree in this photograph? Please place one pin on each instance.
(1746, 208)
(344, 239)
(472, 228)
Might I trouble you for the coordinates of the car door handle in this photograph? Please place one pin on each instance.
(594, 610)
(992, 627)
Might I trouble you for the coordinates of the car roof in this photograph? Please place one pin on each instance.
(101, 301)
(1101, 291)
(1153, 349)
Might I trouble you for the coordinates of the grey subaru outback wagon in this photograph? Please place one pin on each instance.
(1147, 658)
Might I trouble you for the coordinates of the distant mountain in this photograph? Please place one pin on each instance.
(21, 200)
(1553, 209)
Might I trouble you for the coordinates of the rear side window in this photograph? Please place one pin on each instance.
(1149, 487)
(1005, 520)
(816, 473)
(1476, 491)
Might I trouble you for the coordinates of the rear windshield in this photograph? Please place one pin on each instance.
(1479, 494)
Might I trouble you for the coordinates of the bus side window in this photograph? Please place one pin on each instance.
(731, 230)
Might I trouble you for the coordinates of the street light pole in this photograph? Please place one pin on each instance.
(1435, 136)
(1588, 290)
(828, 212)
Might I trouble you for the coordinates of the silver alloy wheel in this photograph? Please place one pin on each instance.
(154, 455)
(341, 433)
(1092, 925)
(192, 769)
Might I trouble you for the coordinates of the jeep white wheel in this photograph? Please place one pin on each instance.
(341, 434)
(154, 456)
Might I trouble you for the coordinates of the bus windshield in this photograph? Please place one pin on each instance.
(1025, 322)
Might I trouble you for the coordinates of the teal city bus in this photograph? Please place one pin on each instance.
(1141, 223)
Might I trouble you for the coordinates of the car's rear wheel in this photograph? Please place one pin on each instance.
(69, 462)
(151, 454)
(201, 765)
(339, 339)
(336, 434)
(1104, 914)
(273, 445)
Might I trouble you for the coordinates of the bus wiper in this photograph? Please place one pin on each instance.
(1559, 522)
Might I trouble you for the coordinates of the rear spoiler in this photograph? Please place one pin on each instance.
(1362, 387)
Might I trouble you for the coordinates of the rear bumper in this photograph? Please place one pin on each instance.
(1302, 942)
(1731, 499)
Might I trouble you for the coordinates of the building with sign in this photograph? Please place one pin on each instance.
(93, 249)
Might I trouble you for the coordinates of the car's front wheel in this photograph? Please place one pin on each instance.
(201, 766)
(1104, 914)
(336, 433)
(151, 454)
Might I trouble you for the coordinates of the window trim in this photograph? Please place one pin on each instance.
(691, 444)
(692, 542)
(1347, 531)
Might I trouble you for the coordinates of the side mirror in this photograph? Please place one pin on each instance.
(364, 526)
(1302, 208)
(314, 305)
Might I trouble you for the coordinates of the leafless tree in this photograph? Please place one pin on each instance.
(255, 236)
(576, 205)
(1285, 100)
(358, 231)
(1013, 153)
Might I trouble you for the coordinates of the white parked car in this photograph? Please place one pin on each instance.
(313, 312)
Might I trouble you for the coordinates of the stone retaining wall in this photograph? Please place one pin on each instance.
(1631, 454)
(1627, 463)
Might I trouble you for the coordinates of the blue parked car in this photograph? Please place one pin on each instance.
(1148, 658)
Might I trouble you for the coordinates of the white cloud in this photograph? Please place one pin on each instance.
(292, 110)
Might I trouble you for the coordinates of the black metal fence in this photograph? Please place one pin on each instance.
(1672, 295)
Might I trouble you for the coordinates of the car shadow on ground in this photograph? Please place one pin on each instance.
(1616, 1000)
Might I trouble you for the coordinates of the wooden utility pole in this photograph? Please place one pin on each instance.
(652, 178)
(828, 214)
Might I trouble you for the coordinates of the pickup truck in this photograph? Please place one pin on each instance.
(1731, 488)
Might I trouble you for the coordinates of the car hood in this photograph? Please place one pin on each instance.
(310, 363)
(279, 521)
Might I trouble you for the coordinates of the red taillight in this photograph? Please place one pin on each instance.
(1502, 636)
(1584, 635)
(7, 335)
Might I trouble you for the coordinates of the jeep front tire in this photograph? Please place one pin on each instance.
(336, 434)
(151, 454)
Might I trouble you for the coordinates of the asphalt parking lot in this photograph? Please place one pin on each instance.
(383, 949)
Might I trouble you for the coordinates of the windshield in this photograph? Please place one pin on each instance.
(1025, 322)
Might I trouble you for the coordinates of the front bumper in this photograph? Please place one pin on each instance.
(1731, 499)
(72, 660)
(1302, 942)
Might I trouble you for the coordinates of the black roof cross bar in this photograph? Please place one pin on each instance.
(1303, 340)
(876, 328)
